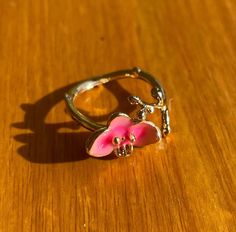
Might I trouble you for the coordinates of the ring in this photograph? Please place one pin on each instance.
(122, 133)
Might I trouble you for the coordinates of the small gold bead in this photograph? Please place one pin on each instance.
(116, 140)
(132, 138)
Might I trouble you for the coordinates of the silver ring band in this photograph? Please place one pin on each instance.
(122, 133)
(157, 92)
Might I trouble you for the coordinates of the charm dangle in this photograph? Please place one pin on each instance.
(121, 135)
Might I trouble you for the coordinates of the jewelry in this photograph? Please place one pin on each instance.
(122, 133)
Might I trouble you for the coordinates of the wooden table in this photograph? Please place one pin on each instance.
(185, 183)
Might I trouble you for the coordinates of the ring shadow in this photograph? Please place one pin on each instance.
(45, 144)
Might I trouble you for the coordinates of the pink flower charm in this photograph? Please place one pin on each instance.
(121, 135)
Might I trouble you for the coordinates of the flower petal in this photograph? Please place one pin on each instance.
(100, 143)
(121, 120)
(145, 133)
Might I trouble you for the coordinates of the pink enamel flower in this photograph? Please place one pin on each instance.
(121, 135)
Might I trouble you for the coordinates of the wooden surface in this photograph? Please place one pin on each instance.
(185, 183)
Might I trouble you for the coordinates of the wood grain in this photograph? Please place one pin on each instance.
(185, 183)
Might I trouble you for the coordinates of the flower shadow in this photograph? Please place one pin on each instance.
(46, 144)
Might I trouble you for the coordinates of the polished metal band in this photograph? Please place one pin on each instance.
(157, 92)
